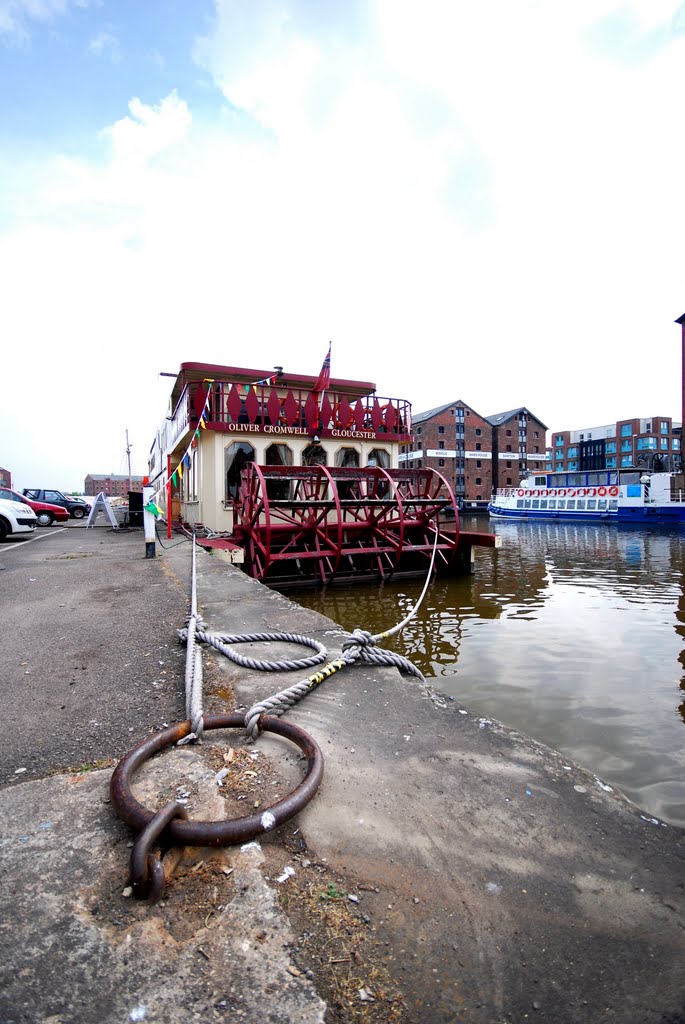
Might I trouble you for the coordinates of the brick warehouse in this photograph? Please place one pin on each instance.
(477, 454)
(114, 485)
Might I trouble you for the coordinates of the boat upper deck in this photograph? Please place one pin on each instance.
(240, 400)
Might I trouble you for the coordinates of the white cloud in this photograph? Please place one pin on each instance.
(148, 130)
(105, 42)
(336, 199)
(16, 16)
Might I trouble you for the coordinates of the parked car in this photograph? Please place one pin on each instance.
(16, 518)
(76, 507)
(46, 514)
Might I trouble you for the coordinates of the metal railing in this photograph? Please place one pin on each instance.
(231, 404)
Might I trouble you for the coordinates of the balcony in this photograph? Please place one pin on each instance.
(234, 407)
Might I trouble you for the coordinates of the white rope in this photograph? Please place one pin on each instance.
(360, 645)
(193, 673)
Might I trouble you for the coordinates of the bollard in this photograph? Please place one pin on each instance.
(148, 522)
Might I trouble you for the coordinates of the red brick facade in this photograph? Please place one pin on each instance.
(114, 485)
(475, 453)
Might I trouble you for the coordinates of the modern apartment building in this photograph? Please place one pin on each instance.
(114, 485)
(476, 453)
(652, 443)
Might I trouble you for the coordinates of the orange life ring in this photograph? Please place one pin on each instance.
(601, 491)
(571, 493)
(613, 491)
(338, 422)
(520, 492)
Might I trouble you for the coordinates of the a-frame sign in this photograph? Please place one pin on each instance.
(101, 504)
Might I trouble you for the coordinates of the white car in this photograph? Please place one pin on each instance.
(16, 519)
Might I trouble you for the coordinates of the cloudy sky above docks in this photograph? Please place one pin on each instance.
(482, 201)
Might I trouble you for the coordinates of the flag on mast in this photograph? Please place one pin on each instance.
(324, 379)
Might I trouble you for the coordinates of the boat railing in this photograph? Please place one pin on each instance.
(286, 410)
(177, 425)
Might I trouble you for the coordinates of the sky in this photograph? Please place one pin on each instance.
(478, 201)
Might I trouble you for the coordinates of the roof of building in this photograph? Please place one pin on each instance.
(497, 419)
(112, 476)
(421, 417)
(501, 417)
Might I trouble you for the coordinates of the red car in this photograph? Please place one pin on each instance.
(46, 514)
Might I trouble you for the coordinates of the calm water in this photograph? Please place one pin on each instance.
(573, 634)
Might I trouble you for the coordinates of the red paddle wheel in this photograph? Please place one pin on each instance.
(316, 524)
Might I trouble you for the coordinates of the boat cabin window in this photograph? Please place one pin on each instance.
(347, 457)
(536, 503)
(519, 503)
(278, 455)
(543, 503)
(613, 504)
(540, 481)
(571, 503)
(592, 503)
(379, 457)
(552, 503)
(314, 455)
(581, 503)
(562, 504)
(602, 503)
(236, 457)
(527, 503)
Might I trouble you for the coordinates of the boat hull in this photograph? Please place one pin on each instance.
(546, 515)
(653, 515)
(652, 500)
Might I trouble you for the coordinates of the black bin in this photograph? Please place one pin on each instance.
(135, 508)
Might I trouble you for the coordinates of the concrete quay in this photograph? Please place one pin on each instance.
(449, 869)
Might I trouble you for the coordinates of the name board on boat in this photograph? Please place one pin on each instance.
(282, 429)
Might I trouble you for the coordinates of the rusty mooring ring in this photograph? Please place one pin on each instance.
(216, 833)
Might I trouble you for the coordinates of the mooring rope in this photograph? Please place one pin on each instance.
(193, 672)
(220, 641)
(359, 645)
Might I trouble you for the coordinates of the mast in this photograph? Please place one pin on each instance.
(681, 321)
(128, 453)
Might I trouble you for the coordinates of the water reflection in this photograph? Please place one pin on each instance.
(574, 634)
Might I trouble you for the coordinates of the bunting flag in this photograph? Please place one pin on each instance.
(153, 508)
(324, 379)
(266, 380)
